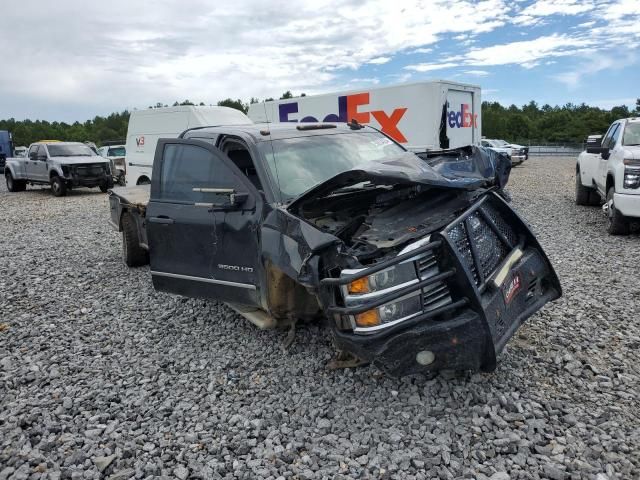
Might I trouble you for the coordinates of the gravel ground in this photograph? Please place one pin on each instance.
(102, 377)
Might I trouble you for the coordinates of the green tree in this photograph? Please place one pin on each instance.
(237, 104)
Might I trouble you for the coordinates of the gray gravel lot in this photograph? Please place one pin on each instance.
(102, 377)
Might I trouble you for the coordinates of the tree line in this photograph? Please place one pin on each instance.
(530, 123)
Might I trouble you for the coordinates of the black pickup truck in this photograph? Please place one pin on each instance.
(418, 262)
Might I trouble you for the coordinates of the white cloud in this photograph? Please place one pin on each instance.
(421, 50)
(372, 81)
(526, 53)
(544, 8)
(201, 50)
(428, 67)
(477, 73)
(379, 60)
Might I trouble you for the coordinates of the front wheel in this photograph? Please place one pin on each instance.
(58, 187)
(104, 188)
(618, 223)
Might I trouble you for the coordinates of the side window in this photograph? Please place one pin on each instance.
(615, 136)
(33, 151)
(606, 141)
(185, 167)
(241, 158)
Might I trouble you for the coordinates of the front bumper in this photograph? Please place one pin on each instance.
(627, 204)
(493, 285)
(518, 159)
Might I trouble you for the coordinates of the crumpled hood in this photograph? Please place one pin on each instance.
(467, 168)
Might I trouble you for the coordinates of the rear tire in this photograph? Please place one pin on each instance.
(132, 253)
(104, 188)
(583, 194)
(14, 185)
(618, 223)
(58, 187)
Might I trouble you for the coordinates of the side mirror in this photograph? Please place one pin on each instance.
(33, 156)
(597, 149)
(594, 144)
(606, 153)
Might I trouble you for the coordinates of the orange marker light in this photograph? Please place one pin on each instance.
(368, 319)
(360, 285)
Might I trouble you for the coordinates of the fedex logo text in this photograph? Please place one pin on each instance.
(462, 118)
(348, 110)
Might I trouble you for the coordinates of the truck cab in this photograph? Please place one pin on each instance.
(608, 173)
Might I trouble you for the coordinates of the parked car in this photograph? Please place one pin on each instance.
(63, 165)
(608, 172)
(20, 151)
(419, 263)
(516, 153)
(519, 152)
(422, 116)
(116, 154)
(147, 126)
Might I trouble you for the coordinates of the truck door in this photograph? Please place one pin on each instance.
(37, 165)
(609, 142)
(202, 224)
(461, 118)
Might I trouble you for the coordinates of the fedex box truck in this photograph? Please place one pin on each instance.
(147, 126)
(421, 116)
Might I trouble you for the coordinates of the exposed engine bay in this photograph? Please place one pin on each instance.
(370, 218)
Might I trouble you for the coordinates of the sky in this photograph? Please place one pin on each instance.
(71, 60)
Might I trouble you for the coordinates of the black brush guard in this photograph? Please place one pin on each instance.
(492, 292)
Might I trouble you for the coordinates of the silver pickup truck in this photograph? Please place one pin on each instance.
(63, 165)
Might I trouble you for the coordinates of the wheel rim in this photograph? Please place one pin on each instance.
(611, 210)
(55, 187)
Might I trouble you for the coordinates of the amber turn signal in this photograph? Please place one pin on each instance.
(369, 318)
(361, 285)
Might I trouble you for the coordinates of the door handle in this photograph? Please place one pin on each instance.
(162, 220)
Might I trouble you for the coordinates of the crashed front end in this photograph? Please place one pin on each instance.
(436, 271)
(449, 301)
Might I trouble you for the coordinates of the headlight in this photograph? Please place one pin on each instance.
(400, 309)
(631, 173)
(631, 177)
(384, 280)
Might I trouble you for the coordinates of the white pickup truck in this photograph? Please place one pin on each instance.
(609, 171)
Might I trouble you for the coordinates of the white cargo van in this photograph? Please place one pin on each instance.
(147, 126)
(421, 116)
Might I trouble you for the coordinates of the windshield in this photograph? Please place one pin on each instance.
(70, 151)
(631, 134)
(116, 152)
(500, 143)
(297, 164)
